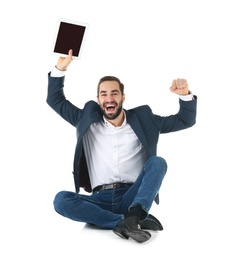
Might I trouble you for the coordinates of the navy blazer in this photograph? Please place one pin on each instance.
(146, 125)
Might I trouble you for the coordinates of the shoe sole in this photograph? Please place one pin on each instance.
(139, 236)
(121, 234)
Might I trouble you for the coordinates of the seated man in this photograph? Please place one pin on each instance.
(115, 157)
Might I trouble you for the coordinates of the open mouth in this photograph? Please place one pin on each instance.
(110, 107)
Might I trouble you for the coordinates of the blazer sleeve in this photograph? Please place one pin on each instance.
(58, 102)
(185, 118)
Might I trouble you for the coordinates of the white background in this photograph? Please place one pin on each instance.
(146, 44)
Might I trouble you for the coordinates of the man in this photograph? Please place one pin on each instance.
(115, 157)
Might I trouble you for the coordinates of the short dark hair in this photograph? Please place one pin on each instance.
(110, 78)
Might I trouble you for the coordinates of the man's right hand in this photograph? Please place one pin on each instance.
(63, 62)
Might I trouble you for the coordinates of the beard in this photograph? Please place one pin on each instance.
(112, 116)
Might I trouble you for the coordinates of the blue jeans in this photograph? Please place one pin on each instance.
(107, 208)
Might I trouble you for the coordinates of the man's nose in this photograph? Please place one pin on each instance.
(109, 98)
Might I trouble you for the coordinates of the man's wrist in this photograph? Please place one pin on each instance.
(187, 97)
(60, 69)
(57, 72)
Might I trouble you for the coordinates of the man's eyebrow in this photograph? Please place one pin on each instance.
(114, 90)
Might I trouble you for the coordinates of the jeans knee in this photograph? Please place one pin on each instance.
(162, 161)
(59, 201)
(158, 162)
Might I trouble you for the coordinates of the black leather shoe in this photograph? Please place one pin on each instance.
(129, 228)
(151, 223)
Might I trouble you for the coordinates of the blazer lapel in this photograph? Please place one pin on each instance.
(133, 121)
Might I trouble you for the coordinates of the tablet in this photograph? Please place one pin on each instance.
(69, 35)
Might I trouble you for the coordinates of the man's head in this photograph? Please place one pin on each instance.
(110, 96)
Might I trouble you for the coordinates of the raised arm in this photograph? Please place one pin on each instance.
(55, 96)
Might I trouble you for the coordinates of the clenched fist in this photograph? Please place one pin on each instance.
(180, 87)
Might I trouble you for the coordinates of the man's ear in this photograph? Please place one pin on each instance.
(97, 99)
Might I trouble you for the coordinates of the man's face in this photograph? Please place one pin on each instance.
(110, 99)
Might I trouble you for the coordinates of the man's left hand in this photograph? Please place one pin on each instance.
(180, 87)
